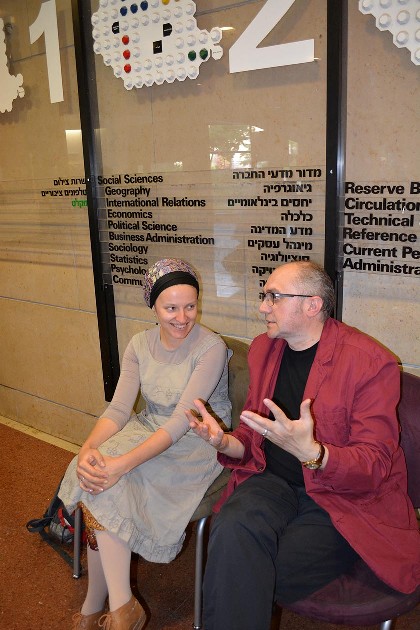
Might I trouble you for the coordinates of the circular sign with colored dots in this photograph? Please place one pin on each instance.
(159, 38)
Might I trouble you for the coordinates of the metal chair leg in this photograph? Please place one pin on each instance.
(199, 559)
(77, 542)
(198, 584)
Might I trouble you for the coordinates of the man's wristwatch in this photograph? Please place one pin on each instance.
(314, 464)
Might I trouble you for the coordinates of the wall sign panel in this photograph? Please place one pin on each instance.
(381, 227)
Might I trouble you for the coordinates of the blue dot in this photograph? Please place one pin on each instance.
(134, 8)
(144, 5)
(123, 10)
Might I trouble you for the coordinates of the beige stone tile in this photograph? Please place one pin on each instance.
(126, 329)
(85, 283)
(8, 406)
(62, 422)
(129, 303)
(41, 279)
(44, 247)
(36, 127)
(385, 309)
(52, 353)
(34, 415)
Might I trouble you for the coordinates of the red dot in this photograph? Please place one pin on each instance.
(125, 40)
(127, 68)
(127, 54)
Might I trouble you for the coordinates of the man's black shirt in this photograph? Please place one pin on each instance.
(288, 394)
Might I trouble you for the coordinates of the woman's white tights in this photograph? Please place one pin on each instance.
(108, 574)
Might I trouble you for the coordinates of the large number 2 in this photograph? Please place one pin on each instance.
(244, 54)
(46, 23)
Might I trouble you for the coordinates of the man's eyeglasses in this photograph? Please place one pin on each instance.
(271, 298)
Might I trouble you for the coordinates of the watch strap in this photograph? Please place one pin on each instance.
(313, 464)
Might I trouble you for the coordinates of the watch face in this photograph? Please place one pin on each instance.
(312, 466)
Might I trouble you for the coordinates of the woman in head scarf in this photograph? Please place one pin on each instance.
(139, 477)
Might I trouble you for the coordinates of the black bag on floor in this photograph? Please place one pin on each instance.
(56, 522)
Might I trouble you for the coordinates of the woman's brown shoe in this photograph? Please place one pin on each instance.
(131, 616)
(86, 622)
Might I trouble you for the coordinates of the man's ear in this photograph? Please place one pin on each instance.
(315, 305)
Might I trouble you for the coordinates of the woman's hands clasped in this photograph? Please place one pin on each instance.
(97, 472)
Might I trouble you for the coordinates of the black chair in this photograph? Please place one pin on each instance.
(238, 387)
(359, 597)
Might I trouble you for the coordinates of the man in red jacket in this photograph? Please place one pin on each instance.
(318, 476)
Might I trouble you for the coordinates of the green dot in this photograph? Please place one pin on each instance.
(192, 55)
(204, 53)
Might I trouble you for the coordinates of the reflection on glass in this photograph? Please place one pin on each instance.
(231, 145)
(74, 140)
(293, 152)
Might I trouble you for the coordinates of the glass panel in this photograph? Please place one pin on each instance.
(381, 219)
(51, 373)
(44, 236)
(224, 169)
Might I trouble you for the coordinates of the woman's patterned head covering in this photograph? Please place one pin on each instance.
(167, 273)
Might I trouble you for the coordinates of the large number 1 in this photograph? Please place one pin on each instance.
(244, 54)
(46, 23)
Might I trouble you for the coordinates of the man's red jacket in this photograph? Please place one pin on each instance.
(354, 384)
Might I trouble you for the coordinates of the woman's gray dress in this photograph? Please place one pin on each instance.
(150, 507)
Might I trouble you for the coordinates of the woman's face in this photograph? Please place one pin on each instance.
(176, 310)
